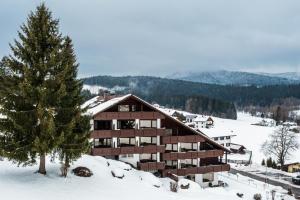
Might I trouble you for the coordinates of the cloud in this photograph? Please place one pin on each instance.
(159, 37)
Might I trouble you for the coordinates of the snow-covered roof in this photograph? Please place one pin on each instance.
(201, 118)
(236, 146)
(95, 105)
(218, 131)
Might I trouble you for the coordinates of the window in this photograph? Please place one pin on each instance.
(148, 124)
(216, 139)
(227, 137)
(221, 138)
(148, 141)
(126, 124)
(123, 108)
(172, 147)
(104, 142)
(126, 155)
(133, 108)
(227, 144)
(126, 142)
(102, 125)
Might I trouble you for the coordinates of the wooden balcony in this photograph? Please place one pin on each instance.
(128, 150)
(150, 166)
(185, 139)
(197, 170)
(128, 133)
(192, 154)
(128, 115)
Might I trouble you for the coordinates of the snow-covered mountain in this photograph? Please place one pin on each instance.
(288, 75)
(224, 77)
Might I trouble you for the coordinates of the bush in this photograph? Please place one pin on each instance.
(173, 187)
(187, 186)
(263, 162)
(290, 192)
(82, 172)
(257, 196)
(274, 165)
(269, 162)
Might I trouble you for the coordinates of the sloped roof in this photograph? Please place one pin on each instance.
(106, 105)
(95, 106)
(201, 118)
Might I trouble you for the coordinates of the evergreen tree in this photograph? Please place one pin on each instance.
(69, 119)
(274, 165)
(263, 162)
(36, 81)
(269, 162)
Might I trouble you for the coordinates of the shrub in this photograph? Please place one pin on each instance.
(82, 172)
(173, 186)
(257, 196)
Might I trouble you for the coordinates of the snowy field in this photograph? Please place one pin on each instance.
(247, 134)
(22, 183)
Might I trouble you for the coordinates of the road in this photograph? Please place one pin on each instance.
(295, 189)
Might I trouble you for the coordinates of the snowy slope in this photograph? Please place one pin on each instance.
(22, 183)
(249, 135)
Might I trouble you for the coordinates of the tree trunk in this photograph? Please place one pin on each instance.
(42, 167)
(65, 167)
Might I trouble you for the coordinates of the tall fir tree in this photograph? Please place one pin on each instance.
(36, 79)
(71, 123)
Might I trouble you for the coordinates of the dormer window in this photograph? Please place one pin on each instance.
(123, 108)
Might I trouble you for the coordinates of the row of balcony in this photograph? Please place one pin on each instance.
(129, 133)
(128, 115)
(151, 165)
(192, 154)
(128, 150)
(197, 170)
(165, 133)
(109, 151)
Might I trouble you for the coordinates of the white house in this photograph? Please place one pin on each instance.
(189, 118)
(202, 121)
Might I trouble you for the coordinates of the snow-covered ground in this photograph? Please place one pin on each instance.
(247, 134)
(22, 183)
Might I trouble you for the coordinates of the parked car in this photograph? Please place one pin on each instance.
(296, 180)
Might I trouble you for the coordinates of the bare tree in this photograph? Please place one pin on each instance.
(281, 144)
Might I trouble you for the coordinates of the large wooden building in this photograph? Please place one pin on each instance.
(129, 129)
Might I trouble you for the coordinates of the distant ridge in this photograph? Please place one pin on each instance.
(223, 77)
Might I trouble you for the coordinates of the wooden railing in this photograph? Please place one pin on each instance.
(186, 139)
(197, 170)
(128, 133)
(149, 166)
(128, 150)
(192, 154)
(128, 115)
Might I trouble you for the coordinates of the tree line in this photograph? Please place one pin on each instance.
(241, 96)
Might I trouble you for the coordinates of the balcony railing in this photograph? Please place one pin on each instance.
(192, 154)
(197, 170)
(185, 139)
(128, 133)
(128, 150)
(128, 115)
(150, 166)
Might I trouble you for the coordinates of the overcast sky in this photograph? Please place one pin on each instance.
(158, 37)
